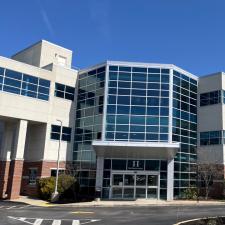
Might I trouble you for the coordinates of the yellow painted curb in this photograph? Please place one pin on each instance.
(45, 205)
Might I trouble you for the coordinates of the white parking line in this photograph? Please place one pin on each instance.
(76, 222)
(56, 222)
(38, 221)
(22, 207)
(11, 207)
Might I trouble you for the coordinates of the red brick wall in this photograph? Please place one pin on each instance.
(43, 170)
(15, 177)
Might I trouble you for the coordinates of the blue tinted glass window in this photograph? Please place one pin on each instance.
(125, 68)
(12, 82)
(139, 77)
(2, 70)
(139, 69)
(153, 111)
(137, 136)
(135, 110)
(124, 84)
(153, 70)
(138, 101)
(165, 78)
(124, 128)
(138, 92)
(152, 120)
(164, 111)
(113, 68)
(123, 91)
(121, 136)
(112, 75)
(165, 71)
(154, 78)
(154, 86)
(153, 101)
(13, 74)
(152, 137)
(139, 85)
(164, 102)
(29, 93)
(122, 120)
(137, 129)
(43, 90)
(112, 91)
(45, 83)
(164, 121)
(153, 93)
(112, 84)
(111, 99)
(43, 97)
(123, 100)
(152, 129)
(111, 109)
(11, 89)
(124, 76)
(110, 119)
(30, 79)
(123, 109)
(137, 120)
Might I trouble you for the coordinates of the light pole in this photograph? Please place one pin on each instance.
(55, 194)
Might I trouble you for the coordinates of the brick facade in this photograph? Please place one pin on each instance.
(43, 170)
(14, 176)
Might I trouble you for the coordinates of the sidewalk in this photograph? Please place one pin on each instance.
(139, 202)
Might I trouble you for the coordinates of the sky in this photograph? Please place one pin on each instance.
(187, 33)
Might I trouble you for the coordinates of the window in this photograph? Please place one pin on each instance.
(23, 84)
(64, 91)
(211, 138)
(54, 171)
(66, 133)
(32, 176)
(210, 98)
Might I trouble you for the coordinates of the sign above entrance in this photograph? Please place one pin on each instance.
(135, 165)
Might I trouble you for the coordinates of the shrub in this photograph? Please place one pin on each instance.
(190, 193)
(46, 187)
(68, 187)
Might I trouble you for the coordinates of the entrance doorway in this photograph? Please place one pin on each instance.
(133, 185)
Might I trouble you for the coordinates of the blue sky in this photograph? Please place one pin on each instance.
(187, 33)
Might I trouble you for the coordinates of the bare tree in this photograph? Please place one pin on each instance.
(209, 169)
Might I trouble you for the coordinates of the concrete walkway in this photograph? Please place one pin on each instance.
(139, 202)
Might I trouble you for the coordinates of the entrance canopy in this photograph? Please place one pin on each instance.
(141, 150)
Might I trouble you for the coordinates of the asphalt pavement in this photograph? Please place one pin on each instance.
(22, 214)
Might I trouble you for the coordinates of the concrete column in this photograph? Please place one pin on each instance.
(170, 179)
(99, 173)
(5, 151)
(17, 156)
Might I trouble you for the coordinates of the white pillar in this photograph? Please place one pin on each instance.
(170, 179)
(7, 141)
(99, 173)
(19, 141)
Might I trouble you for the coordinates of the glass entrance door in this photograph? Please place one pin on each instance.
(152, 186)
(132, 186)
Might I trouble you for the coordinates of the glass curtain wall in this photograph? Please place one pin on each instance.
(88, 124)
(138, 104)
(184, 130)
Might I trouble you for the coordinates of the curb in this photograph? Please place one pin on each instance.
(204, 218)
